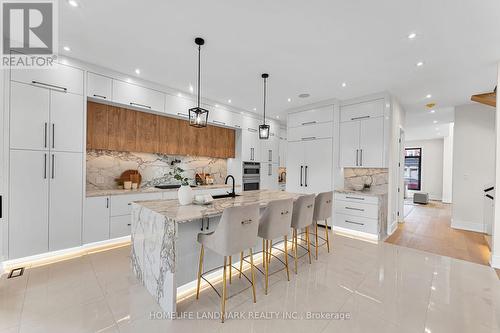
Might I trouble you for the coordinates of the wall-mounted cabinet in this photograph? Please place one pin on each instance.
(115, 128)
(137, 96)
(310, 117)
(99, 87)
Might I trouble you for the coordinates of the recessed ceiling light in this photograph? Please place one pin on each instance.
(344, 84)
(289, 99)
(73, 3)
(304, 95)
(179, 94)
(191, 88)
(432, 111)
(229, 101)
(255, 109)
(435, 121)
(137, 71)
(428, 96)
(278, 117)
(67, 48)
(420, 64)
(216, 105)
(437, 128)
(412, 35)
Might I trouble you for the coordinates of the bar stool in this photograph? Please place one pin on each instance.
(322, 212)
(274, 222)
(302, 217)
(237, 231)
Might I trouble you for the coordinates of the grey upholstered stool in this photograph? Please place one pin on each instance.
(322, 212)
(274, 222)
(237, 231)
(302, 217)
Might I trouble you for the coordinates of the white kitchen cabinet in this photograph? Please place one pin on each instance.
(310, 132)
(349, 143)
(282, 152)
(137, 96)
(250, 145)
(29, 117)
(121, 204)
(364, 110)
(218, 116)
(99, 86)
(120, 226)
(66, 122)
(236, 120)
(28, 203)
(360, 213)
(310, 166)
(269, 176)
(310, 117)
(178, 105)
(96, 221)
(269, 149)
(65, 200)
(59, 77)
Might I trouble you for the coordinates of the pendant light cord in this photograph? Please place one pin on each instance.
(199, 71)
(265, 86)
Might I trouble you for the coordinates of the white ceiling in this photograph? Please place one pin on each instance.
(306, 46)
(424, 125)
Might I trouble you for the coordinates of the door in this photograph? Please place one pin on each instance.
(99, 86)
(318, 165)
(66, 122)
(29, 117)
(28, 204)
(96, 221)
(349, 144)
(295, 167)
(372, 143)
(247, 146)
(65, 204)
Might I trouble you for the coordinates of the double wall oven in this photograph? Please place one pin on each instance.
(251, 176)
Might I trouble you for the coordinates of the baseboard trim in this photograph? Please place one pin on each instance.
(60, 255)
(495, 261)
(392, 227)
(355, 234)
(467, 225)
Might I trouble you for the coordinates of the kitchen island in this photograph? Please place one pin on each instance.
(164, 247)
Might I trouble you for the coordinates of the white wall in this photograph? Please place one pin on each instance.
(495, 253)
(448, 166)
(432, 166)
(473, 163)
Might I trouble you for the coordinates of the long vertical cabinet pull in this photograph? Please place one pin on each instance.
(357, 157)
(44, 166)
(361, 157)
(107, 202)
(53, 135)
(45, 136)
(53, 167)
(270, 171)
(305, 177)
(270, 155)
(301, 170)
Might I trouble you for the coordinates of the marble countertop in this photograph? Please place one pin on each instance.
(369, 193)
(117, 191)
(177, 213)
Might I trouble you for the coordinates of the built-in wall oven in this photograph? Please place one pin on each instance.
(251, 176)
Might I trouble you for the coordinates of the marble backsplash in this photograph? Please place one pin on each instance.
(104, 166)
(377, 177)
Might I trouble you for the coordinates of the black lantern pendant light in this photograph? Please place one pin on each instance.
(264, 129)
(198, 116)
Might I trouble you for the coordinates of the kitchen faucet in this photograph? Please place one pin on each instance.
(233, 194)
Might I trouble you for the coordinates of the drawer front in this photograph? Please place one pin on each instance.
(120, 204)
(356, 198)
(309, 117)
(364, 110)
(356, 209)
(356, 223)
(59, 77)
(311, 132)
(120, 226)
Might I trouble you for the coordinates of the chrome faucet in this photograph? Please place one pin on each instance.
(233, 193)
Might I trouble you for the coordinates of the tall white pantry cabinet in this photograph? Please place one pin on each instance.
(46, 151)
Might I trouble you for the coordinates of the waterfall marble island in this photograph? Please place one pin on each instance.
(164, 240)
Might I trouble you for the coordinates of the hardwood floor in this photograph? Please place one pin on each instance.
(427, 228)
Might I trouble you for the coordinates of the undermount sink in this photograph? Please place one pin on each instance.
(228, 195)
(167, 187)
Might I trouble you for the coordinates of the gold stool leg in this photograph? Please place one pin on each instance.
(230, 268)
(200, 268)
(223, 299)
(327, 240)
(267, 266)
(270, 251)
(308, 244)
(241, 263)
(264, 260)
(253, 277)
(316, 240)
(295, 248)
(286, 259)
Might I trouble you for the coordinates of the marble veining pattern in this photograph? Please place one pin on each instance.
(104, 166)
(377, 177)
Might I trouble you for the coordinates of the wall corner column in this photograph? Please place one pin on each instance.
(495, 251)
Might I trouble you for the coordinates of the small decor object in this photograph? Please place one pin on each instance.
(127, 185)
(185, 193)
(198, 116)
(134, 186)
(129, 175)
(264, 129)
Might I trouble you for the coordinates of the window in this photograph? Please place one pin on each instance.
(413, 168)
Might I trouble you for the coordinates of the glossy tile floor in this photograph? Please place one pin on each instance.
(384, 288)
(428, 228)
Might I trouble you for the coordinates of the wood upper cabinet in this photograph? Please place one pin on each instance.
(115, 128)
(146, 135)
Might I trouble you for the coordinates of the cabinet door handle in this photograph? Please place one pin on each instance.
(100, 96)
(356, 198)
(352, 222)
(358, 209)
(182, 114)
(270, 172)
(219, 122)
(305, 177)
(252, 130)
(361, 157)
(1, 206)
(309, 122)
(301, 170)
(53, 135)
(50, 86)
(45, 135)
(270, 155)
(107, 202)
(308, 138)
(140, 105)
(53, 166)
(363, 117)
(44, 166)
(357, 157)
(237, 126)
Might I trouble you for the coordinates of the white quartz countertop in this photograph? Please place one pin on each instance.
(368, 193)
(173, 211)
(104, 192)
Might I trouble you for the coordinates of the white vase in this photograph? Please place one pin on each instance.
(185, 195)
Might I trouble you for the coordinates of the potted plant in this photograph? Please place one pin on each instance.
(185, 193)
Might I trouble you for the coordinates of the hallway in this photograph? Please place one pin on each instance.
(427, 228)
